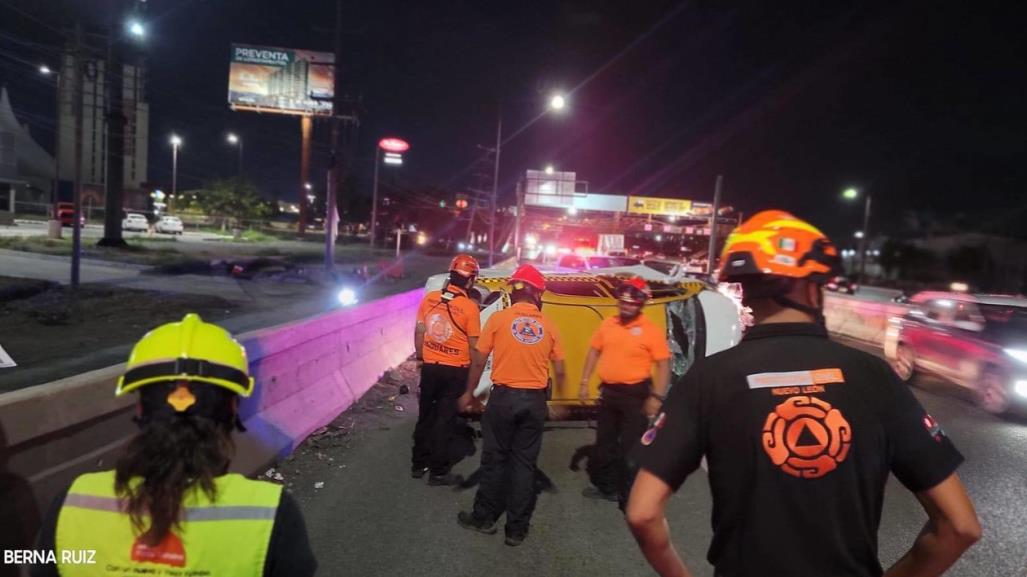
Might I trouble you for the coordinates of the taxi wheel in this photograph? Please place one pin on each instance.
(992, 395)
(905, 362)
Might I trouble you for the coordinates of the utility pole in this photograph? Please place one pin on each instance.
(518, 220)
(495, 187)
(337, 168)
(114, 73)
(76, 105)
(712, 253)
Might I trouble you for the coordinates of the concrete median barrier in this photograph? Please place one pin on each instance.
(307, 373)
(857, 318)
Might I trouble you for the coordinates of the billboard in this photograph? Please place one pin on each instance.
(659, 206)
(281, 80)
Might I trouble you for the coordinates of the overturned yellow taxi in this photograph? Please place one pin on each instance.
(698, 320)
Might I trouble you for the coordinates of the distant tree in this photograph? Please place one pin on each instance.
(971, 263)
(230, 199)
(908, 262)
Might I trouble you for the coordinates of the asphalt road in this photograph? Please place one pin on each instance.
(370, 518)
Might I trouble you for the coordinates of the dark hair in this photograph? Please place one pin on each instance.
(171, 455)
(528, 294)
(460, 280)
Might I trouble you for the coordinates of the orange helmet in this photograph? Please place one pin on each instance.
(774, 242)
(464, 265)
(529, 275)
(634, 291)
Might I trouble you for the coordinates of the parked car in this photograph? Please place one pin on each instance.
(976, 341)
(169, 225)
(66, 212)
(841, 284)
(135, 221)
(699, 321)
(578, 263)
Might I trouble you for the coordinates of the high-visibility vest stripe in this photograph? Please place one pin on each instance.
(230, 513)
(239, 520)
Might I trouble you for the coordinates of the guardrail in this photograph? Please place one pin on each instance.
(307, 372)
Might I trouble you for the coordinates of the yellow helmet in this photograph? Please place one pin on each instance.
(189, 350)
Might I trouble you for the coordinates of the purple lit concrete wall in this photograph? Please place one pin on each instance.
(854, 317)
(309, 371)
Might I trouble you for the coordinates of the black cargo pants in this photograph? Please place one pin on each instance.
(620, 426)
(512, 429)
(441, 387)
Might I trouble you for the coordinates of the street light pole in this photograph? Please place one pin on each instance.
(495, 187)
(853, 194)
(374, 191)
(175, 143)
(55, 223)
(863, 240)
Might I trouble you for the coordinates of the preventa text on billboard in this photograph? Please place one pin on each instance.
(281, 80)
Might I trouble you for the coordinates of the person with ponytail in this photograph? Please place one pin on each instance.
(170, 501)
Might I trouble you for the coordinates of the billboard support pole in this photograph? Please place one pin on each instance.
(711, 255)
(305, 129)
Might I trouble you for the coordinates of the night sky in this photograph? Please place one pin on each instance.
(920, 104)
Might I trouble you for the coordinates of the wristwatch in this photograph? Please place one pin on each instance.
(662, 398)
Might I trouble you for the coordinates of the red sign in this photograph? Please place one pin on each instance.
(393, 145)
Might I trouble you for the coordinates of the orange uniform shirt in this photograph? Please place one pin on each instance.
(627, 352)
(446, 331)
(523, 343)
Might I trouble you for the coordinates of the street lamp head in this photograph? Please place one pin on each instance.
(550, 169)
(850, 194)
(232, 138)
(859, 234)
(136, 28)
(176, 140)
(44, 69)
(308, 186)
(558, 102)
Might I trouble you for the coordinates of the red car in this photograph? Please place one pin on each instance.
(976, 341)
(66, 212)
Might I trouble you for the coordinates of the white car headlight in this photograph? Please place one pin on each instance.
(1021, 388)
(347, 297)
(1018, 354)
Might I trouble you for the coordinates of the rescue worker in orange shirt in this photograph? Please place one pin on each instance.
(448, 326)
(523, 343)
(626, 348)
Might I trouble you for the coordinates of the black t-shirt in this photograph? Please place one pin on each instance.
(288, 552)
(799, 434)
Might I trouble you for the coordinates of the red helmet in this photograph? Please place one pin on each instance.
(529, 275)
(634, 291)
(464, 265)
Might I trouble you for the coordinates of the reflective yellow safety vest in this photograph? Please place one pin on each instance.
(229, 537)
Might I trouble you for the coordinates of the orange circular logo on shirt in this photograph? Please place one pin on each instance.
(527, 330)
(806, 437)
(439, 328)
